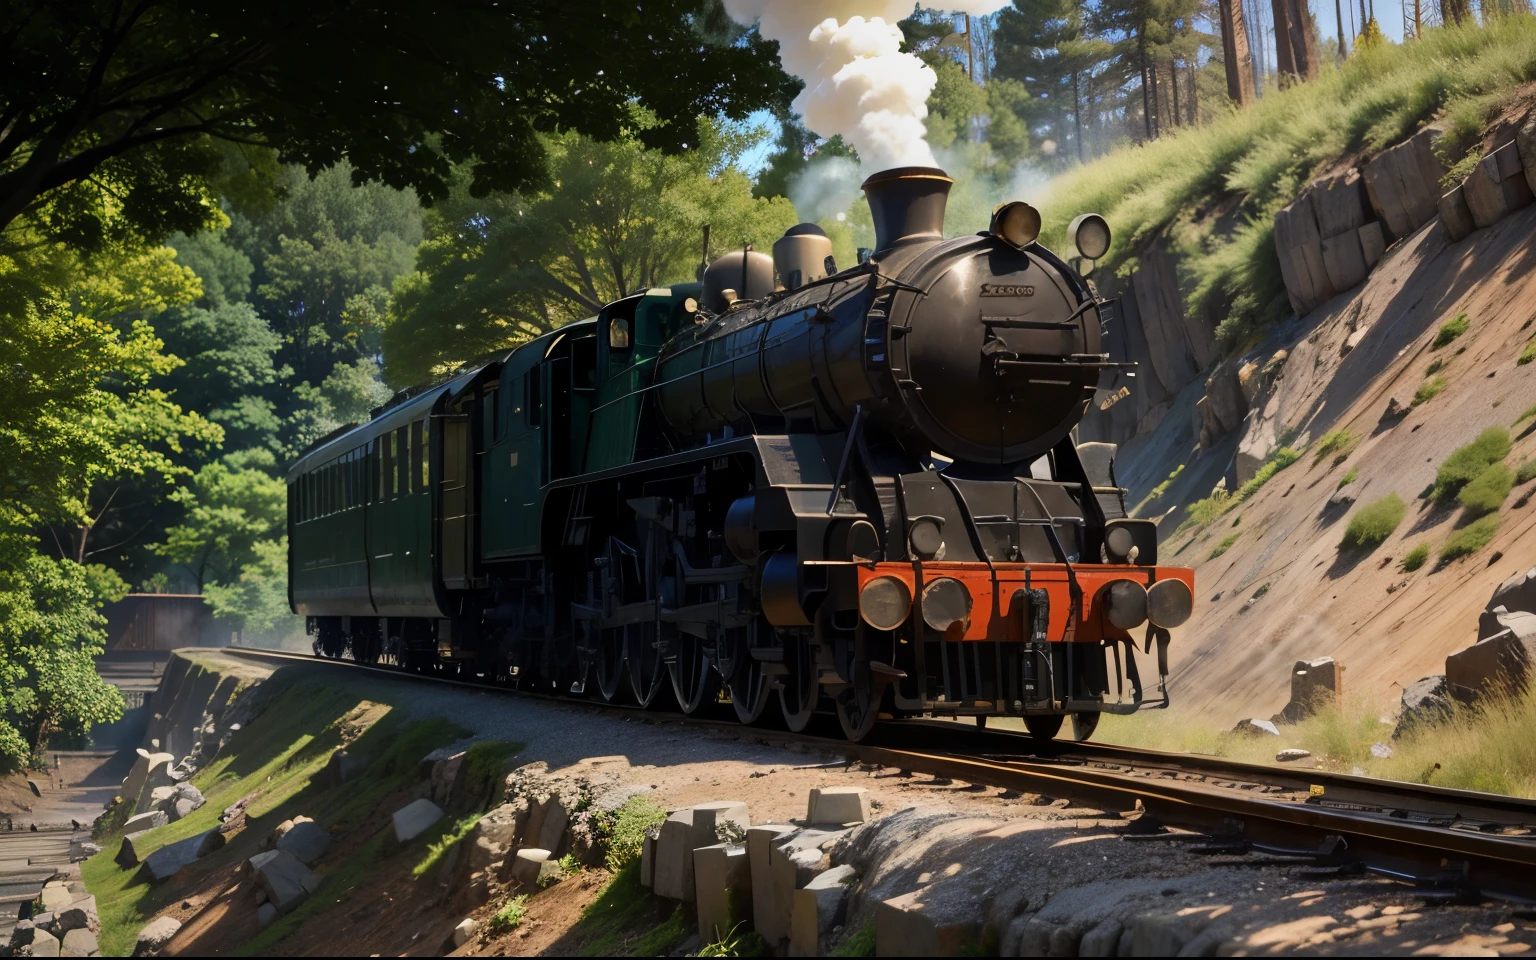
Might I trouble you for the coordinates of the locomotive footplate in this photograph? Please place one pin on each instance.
(1017, 638)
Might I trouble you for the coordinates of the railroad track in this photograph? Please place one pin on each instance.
(1453, 845)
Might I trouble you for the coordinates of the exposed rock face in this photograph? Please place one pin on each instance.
(1224, 405)
(1505, 650)
(1455, 216)
(1322, 240)
(1403, 183)
(1425, 701)
(1496, 187)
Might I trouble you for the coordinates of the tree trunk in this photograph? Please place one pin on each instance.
(1237, 61)
(1303, 39)
(1338, 15)
(1146, 94)
(1285, 60)
(1173, 89)
(1077, 116)
(1194, 95)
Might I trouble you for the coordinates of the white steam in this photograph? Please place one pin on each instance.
(858, 83)
(825, 187)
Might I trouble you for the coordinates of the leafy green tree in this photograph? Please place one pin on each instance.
(139, 102)
(616, 219)
(230, 506)
(348, 395)
(256, 602)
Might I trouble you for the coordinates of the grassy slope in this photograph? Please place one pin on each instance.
(277, 758)
(1260, 157)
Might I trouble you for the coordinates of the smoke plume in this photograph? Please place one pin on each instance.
(858, 83)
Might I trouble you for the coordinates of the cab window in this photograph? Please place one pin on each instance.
(618, 335)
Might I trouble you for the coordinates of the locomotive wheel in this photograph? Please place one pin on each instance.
(749, 691)
(858, 707)
(1043, 727)
(1084, 723)
(650, 643)
(800, 689)
(609, 664)
(647, 672)
(695, 682)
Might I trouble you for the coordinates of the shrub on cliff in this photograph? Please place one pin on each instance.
(1374, 523)
(1466, 462)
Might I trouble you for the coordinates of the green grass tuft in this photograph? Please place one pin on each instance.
(1450, 330)
(1527, 354)
(1278, 461)
(1415, 558)
(1487, 491)
(861, 943)
(1528, 414)
(1223, 546)
(1348, 478)
(1526, 473)
(449, 832)
(1466, 462)
(1162, 488)
(1434, 367)
(511, 915)
(1374, 523)
(1339, 442)
(1428, 390)
(738, 944)
(1470, 539)
(625, 830)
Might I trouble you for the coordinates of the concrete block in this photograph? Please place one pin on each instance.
(527, 863)
(673, 874)
(723, 890)
(170, 859)
(55, 896)
(1455, 217)
(286, 881)
(552, 828)
(307, 841)
(44, 944)
(648, 858)
(906, 926)
(709, 819)
(1344, 260)
(1502, 661)
(80, 943)
(145, 821)
(1313, 683)
(413, 819)
(818, 907)
(464, 931)
(1372, 244)
(773, 882)
(837, 805)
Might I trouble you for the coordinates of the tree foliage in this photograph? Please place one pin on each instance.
(616, 219)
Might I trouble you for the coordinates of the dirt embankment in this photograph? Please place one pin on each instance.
(1273, 585)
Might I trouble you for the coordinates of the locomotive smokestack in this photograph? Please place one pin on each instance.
(907, 203)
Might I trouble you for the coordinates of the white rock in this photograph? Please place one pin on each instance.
(1292, 753)
(156, 934)
(464, 931)
(413, 819)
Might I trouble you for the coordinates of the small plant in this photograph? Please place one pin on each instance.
(1348, 478)
(1488, 490)
(1526, 473)
(1263, 589)
(625, 829)
(510, 915)
(1466, 462)
(861, 943)
(1470, 539)
(729, 831)
(1204, 511)
(1338, 442)
(1428, 390)
(1450, 330)
(1373, 523)
(1224, 546)
(733, 944)
(1528, 354)
(1415, 558)
(1528, 414)
(1162, 488)
(1435, 367)
(1278, 461)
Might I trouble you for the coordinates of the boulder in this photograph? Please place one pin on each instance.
(265, 914)
(138, 775)
(159, 795)
(773, 883)
(43, 944)
(1314, 683)
(212, 840)
(912, 925)
(1455, 218)
(1254, 727)
(128, 850)
(307, 841)
(80, 943)
(1224, 405)
(1298, 246)
(415, 818)
(1500, 662)
(171, 858)
(156, 934)
(819, 906)
(286, 880)
(465, 930)
(837, 805)
(1292, 753)
(145, 821)
(723, 885)
(1516, 593)
(1525, 145)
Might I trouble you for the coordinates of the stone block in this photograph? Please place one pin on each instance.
(673, 874)
(212, 840)
(1398, 191)
(648, 858)
(527, 863)
(503, 825)
(138, 775)
(79, 943)
(1485, 197)
(552, 827)
(464, 931)
(286, 880)
(1163, 934)
(1313, 683)
(837, 805)
(171, 858)
(709, 819)
(156, 934)
(773, 882)
(145, 821)
(909, 926)
(344, 767)
(306, 841)
(819, 906)
(415, 818)
(1373, 244)
(445, 774)
(55, 896)
(1502, 661)
(1339, 203)
(1344, 259)
(723, 890)
(1455, 217)
(1102, 940)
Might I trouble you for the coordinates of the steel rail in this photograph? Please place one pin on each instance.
(1344, 823)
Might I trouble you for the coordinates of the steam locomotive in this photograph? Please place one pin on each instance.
(854, 491)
